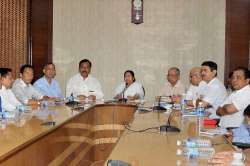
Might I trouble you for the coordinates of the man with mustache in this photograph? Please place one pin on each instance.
(231, 110)
(47, 85)
(83, 85)
(215, 91)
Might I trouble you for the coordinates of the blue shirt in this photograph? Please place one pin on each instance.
(242, 134)
(50, 90)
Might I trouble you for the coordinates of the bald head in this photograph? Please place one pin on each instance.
(195, 76)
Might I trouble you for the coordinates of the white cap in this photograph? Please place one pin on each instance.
(179, 152)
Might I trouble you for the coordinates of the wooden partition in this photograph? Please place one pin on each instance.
(14, 33)
(237, 35)
(85, 139)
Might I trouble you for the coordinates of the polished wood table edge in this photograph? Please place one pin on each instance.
(32, 140)
(45, 133)
(128, 104)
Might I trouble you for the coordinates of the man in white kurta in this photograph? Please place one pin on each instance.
(215, 91)
(231, 111)
(9, 101)
(173, 87)
(83, 85)
(196, 88)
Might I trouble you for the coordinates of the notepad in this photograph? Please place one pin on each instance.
(213, 132)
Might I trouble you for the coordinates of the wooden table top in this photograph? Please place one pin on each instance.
(155, 148)
(140, 149)
(28, 127)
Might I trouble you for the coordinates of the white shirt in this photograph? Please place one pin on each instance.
(134, 89)
(24, 92)
(215, 94)
(169, 90)
(194, 92)
(240, 99)
(9, 100)
(79, 86)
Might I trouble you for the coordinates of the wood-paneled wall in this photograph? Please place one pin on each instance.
(237, 34)
(14, 27)
(41, 33)
(26, 34)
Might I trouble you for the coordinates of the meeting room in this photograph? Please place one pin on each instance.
(125, 82)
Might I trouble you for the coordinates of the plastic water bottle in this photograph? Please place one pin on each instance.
(193, 153)
(1, 108)
(3, 116)
(237, 159)
(194, 143)
(200, 117)
(200, 109)
(183, 102)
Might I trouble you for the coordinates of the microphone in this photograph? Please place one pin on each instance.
(123, 99)
(158, 106)
(168, 127)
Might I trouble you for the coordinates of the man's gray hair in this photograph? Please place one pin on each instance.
(177, 70)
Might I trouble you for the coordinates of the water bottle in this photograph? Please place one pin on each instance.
(200, 109)
(194, 143)
(3, 116)
(183, 102)
(1, 108)
(237, 159)
(193, 153)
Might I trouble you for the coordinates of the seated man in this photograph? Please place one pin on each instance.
(196, 89)
(23, 89)
(47, 85)
(215, 91)
(83, 85)
(231, 110)
(173, 87)
(9, 100)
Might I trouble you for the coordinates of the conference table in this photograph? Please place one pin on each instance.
(93, 134)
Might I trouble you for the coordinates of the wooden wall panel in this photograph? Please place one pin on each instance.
(41, 33)
(237, 34)
(14, 16)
